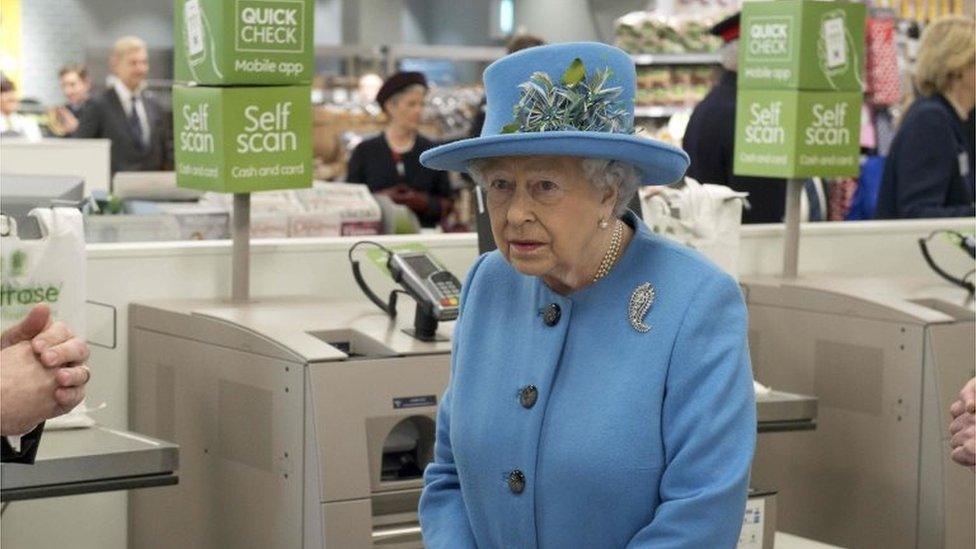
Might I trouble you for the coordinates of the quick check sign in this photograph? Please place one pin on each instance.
(273, 27)
(769, 38)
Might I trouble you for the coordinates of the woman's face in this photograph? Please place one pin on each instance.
(9, 102)
(545, 215)
(406, 108)
(969, 85)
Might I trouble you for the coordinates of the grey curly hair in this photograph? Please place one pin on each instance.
(601, 173)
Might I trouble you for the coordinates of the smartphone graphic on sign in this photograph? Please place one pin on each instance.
(835, 42)
(194, 31)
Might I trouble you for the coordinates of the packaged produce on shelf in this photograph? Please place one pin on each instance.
(673, 86)
(645, 32)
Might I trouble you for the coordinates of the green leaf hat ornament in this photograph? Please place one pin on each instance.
(574, 99)
(573, 104)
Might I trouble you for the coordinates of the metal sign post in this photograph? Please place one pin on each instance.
(241, 249)
(791, 241)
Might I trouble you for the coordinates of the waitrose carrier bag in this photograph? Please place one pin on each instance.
(704, 217)
(51, 270)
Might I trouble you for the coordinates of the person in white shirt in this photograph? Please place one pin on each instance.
(138, 127)
(12, 123)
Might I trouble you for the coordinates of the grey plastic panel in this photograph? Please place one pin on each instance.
(83, 455)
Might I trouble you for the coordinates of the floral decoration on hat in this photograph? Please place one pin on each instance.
(575, 103)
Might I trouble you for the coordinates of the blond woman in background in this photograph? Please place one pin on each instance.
(929, 170)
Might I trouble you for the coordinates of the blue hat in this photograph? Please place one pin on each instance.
(572, 99)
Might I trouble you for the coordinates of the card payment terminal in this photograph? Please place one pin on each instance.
(436, 291)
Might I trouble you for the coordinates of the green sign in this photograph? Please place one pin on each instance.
(244, 42)
(781, 133)
(802, 45)
(243, 139)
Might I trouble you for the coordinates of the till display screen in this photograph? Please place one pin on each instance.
(423, 266)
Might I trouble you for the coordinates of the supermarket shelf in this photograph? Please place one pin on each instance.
(658, 111)
(348, 51)
(397, 52)
(676, 59)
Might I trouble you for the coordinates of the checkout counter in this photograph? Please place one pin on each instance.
(87, 461)
(303, 422)
(886, 357)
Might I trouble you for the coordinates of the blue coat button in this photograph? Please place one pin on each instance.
(528, 395)
(516, 481)
(551, 314)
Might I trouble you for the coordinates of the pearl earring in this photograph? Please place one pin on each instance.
(604, 223)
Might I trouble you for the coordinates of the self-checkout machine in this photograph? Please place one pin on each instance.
(884, 355)
(304, 422)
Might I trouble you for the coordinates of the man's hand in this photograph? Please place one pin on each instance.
(69, 122)
(58, 348)
(36, 321)
(42, 373)
(29, 389)
(963, 443)
(966, 401)
(963, 426)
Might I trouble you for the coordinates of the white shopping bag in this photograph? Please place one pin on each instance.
(51, 270)
(704, 217)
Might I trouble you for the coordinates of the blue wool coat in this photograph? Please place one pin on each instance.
(633, 439)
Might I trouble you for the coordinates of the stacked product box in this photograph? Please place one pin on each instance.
(357, 212)
(801, 75)
(325, 209)
(242, 122)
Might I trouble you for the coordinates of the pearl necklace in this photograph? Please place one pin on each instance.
(612, 252)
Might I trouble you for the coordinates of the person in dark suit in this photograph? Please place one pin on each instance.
(390, 162)
(138, 126)
(42, 375)
(929, 169)
(76, 86)
(710, 138)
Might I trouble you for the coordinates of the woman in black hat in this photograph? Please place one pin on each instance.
(390, 162)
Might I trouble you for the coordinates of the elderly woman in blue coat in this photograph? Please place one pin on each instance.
(600, 392)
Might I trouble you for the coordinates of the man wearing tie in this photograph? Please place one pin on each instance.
(136, 124)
